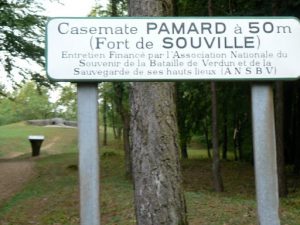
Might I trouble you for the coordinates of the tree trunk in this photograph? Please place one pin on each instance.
(114, 7)
(235, 134)
(225, 133)
(183, 147)
(150, 7)
(235, 146)
(296, 128)
(208, 144)
(126, 145)
(240, 141)
(279, 123)
(125, 117)
(104, 120)
(181, 122)
(217, 178)
(288, 123)
(159, 197)
(113, 123)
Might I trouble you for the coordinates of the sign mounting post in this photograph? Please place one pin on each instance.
(171, 49)
(88, 130)
(263, 125)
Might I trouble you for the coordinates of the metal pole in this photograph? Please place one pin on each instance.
(265, 154)
(87, 96)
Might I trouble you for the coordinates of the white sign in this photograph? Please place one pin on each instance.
(107, 49)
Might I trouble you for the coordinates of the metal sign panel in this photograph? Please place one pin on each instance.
(141, 49)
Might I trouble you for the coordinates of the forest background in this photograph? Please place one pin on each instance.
(193, 98)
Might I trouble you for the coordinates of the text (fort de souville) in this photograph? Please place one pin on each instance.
(169, 42)
(172, 49)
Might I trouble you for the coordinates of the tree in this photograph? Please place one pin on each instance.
(183, 118)
(216, 168)
(118, 91)
(21, 41)
(193, 108)
(104, 111)
(157, 178)
(32, 102)
(279, 123)
(7, 109)
(158, 191)
(114, 8)
(66, 105)
(117, 8)
(279, 120)
(121, 101)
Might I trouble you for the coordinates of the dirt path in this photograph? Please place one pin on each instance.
(15, 172)
(48, 147)
(13, 176)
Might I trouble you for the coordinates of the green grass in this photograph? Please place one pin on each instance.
(53, 184)
(14, 139)
(52, 196)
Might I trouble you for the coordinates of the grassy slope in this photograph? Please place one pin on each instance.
(51, 197)
(14, 139)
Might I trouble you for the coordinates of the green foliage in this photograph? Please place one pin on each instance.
(21, 40)
(66, 105)
(33, 103)
(98, 11)
(238, 8)
(235, 110)
(114, 8)
(7, 111)
(114, 102)
(191, 7)
(234, 106)
(29, 102)
(193, 109)
(116, 99)
(117, 8)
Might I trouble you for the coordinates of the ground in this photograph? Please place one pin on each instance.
(44, 190)
(17, 170)
(14, 174)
